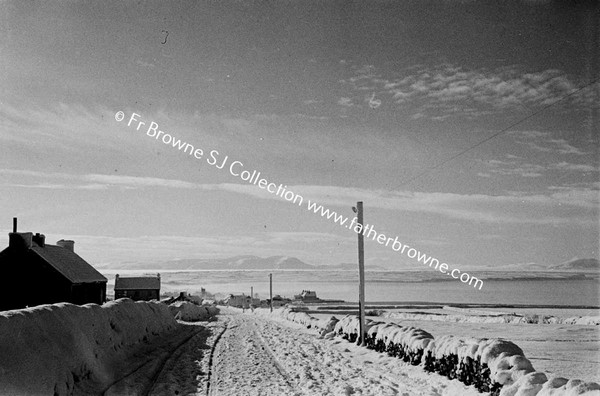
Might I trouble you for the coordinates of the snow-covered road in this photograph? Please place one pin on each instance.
(246, 354)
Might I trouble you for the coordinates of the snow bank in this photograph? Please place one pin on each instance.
(50, 349)
(574, 320)
(190, 312)
(487, 364)
(322, 325)
(496, 365)
(474, 316)
(558, 386)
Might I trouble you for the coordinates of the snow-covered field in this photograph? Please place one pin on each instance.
(571, 351)
(565, 349)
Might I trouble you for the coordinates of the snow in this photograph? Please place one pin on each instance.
(478, 316)
(125, 347)
(268, 354)
(537, 384)
(528, 385)
(492, 364)
(52, 349)
(190, 312)
(570, 351)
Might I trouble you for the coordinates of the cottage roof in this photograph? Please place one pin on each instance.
(137, 283)
(68, 263)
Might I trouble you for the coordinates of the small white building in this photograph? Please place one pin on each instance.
(307, 296)
(241, 301)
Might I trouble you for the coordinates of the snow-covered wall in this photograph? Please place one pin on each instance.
(190, 312)
(491, 317)
(50, 349)
(496, 366)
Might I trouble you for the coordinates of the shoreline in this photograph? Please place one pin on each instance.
(437, 305)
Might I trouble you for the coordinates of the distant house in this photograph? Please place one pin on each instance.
(35, 273)
(307, 296)
(237, 300)
(279, 301)
(241, 301)
(139, 288)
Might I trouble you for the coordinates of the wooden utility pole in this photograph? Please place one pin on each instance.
(361, 272)
(271, 291)
(251, 294)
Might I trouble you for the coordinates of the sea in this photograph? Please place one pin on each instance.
(393, 287)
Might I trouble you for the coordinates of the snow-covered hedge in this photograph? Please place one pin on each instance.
(497, 366)
(190, 312)
(406, 343)
(491, 365)
(50, 349)
(349, 328)
(487, 364)
(322, 325)
(478, 316)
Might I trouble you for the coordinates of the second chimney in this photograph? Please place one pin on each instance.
(67, 244)
(40, 239)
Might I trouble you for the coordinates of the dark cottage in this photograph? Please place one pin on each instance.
(35, 273)
(139, 288)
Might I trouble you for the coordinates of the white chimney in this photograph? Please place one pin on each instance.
(67, 244)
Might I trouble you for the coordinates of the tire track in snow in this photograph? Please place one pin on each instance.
(164, 377)
(335, 367)
(291, 383)
(136, 381)
(245, 365)
(210, 376)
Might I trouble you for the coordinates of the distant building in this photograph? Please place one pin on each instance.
(35, 273)
(279, 301)
(307, 296)
(241, 301)
(237, 300)
(138, 288)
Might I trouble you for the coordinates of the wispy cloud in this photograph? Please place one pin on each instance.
(444, 90)
(518, 167)
(544, 142)
(311, 101)
(558, 206)
(566, 166)
(347, 102)
(66, 124)
(513, 168)
(549, 208)
(144, 64)
(92, 181)
(101, 250)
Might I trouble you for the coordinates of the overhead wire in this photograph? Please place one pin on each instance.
(462, 152)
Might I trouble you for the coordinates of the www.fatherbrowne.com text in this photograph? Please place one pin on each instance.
(236, 169)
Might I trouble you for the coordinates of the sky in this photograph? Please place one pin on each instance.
(468, 129)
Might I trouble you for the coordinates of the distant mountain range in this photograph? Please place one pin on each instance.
(249, 262)
(238, 263)
(579, 265)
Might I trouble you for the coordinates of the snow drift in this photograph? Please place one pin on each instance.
(497, 366)
(324, 326)
(54, 349)
(473, 316)
(190, 312)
